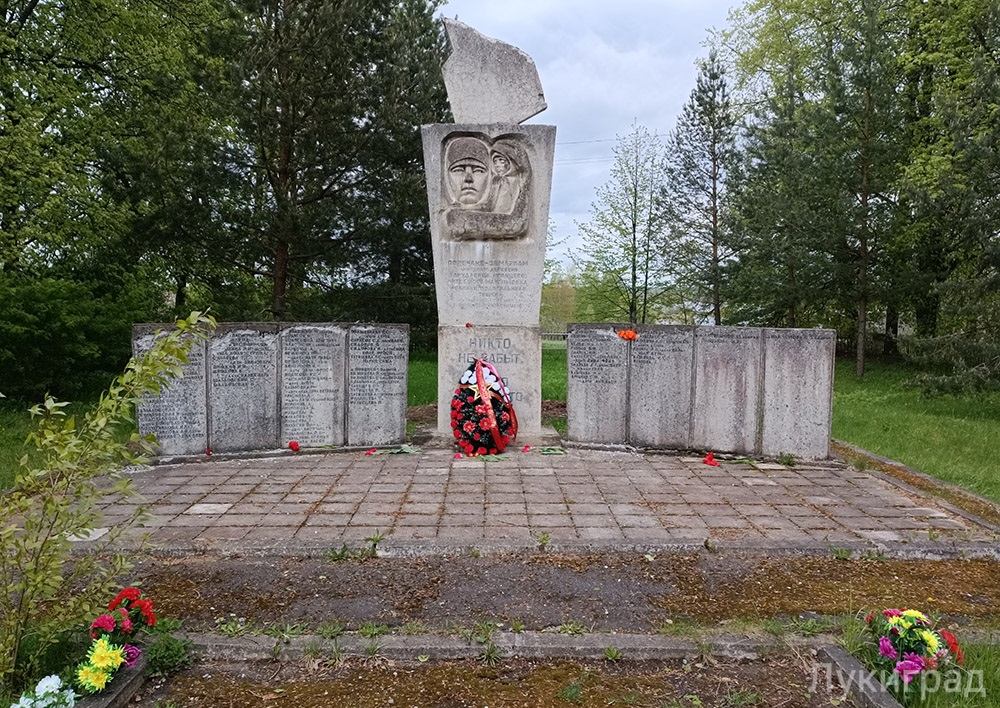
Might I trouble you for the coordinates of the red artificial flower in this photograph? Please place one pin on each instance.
(130, 594)
(458, 456)
(952, 641)
(458, 434)
(208, 452)
(125, 621)
(484, 423)
(146, 608)
(372, 451)
(469, 426)
(481, 409)
(105, 623)
(493, 451)
(471, 399)
(710, 460)
(293, 445)
(526, 448)
(457, 391)
(505, 417)
(481, 451)
(456, 404)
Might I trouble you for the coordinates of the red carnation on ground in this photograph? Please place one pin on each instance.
(710, 460)
(293, 445)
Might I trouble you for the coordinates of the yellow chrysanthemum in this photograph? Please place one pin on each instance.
(106, 656)
(91, 678)
(931, 640)
(899, 622)
(915, 614)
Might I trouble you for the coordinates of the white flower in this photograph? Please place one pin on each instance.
(469, 376)
(49, 684)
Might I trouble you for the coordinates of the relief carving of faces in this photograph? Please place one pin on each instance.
(468, 172)
(487, 185)
(484, 175)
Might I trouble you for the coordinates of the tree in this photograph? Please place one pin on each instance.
(328, 96)
(621, 271)
(843, 61)
(701, 151)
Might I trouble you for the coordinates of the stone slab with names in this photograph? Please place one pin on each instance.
(515, 352)
(243, 387)
(257, 386)
(660, 378)
(313, 380)
(726, 388)
(798, 392)
(597, 384)
(178, 415)
(378, 358)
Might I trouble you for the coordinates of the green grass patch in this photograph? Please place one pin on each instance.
(951, 438)
(14, 426)
(422, 380)
(554, 373)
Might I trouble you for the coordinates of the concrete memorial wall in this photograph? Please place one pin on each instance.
(257, 386)
(728, 389)
(597, 384)
(378, 356)
(178, 414)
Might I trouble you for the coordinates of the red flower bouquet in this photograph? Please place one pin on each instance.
(482, 415)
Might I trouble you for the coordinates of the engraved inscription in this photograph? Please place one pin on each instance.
(177, 415)
(243, 376)
(598, 361)
(312, 384)
(376, 384)
(489, 281)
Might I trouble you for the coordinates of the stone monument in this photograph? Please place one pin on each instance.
(260, 385)
(744, 390)
(488, 184)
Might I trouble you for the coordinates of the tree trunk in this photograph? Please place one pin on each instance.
(890, 347)
(279, 289)
(859, 358)
(180, 294)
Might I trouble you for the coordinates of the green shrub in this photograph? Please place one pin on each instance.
(56, 497)
(168, 654)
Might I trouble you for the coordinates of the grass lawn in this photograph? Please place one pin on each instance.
(954, 439)
(14, 426)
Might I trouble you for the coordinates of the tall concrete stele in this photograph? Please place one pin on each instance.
(488, 184)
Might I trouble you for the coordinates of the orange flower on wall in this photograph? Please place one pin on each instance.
(627, 334)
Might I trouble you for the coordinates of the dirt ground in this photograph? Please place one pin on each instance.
(786, 681)
(606, 593)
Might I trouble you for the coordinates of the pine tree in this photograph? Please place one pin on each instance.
(700, 154)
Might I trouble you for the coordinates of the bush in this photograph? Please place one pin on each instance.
(63, 337)
(56, 497)
(168, 654)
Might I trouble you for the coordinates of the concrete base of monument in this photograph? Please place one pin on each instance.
(430, 437)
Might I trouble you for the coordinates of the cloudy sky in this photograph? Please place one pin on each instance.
(603, 66)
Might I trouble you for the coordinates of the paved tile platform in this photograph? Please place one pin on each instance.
(583, 498)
